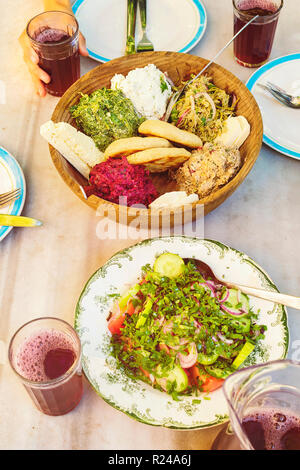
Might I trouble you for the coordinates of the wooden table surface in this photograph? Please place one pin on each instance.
(42, 271)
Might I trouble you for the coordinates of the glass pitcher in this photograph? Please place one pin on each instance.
(264, 408)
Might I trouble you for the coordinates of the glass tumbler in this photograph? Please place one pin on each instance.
(54, 36)
(253, 46)
(45, 354)
(264, 408)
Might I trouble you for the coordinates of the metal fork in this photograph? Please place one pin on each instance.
(178, 93)
(144, 45)
(281, 95)
(10, 196)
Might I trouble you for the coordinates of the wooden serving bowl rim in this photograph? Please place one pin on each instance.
(209, 202)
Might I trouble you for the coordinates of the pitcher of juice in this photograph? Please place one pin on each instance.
(264, 408)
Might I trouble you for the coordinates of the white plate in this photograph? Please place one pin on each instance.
(172, 25)
(135, 398)
(281, 124)
(11, 177)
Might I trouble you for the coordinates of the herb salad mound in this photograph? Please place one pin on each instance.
(180, 332)
(106, 115)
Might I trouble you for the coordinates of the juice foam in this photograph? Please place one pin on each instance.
(31, 355)
(272, 430)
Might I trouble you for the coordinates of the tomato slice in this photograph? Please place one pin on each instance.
(130, 308)
(205, 382)
(145, 372)
(116, 322)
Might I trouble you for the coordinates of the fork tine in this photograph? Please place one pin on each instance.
(5, 198)
(279, 96)
(8, 193)
(278, 89)
(9, 200)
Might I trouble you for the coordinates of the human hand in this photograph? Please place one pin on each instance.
(31, 58)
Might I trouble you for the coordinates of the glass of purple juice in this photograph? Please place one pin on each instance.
(264, 408)
(45, 354)
(253, 46)
(54, 36)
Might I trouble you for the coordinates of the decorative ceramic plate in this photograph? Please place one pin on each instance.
(281, 124)
(11, 177)
(133, 397)
(172, 25)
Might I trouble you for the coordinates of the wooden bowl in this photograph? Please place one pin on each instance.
(179, 67)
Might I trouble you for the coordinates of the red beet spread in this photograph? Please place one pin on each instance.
(115, 178)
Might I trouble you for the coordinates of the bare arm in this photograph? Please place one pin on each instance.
(61, 5)
(38, 75)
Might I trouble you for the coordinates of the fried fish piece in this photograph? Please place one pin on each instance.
(127, 146)
(157, 160)
(169, 131)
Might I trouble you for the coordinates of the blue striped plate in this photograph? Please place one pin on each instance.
(172, 25)
(281, 124)
(11, 177)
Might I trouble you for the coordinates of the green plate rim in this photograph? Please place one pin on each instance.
(221, 419)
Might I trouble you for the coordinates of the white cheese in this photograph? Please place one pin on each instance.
(235, 132)
(147, 88)
(173, 199)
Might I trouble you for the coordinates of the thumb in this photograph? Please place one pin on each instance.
(82, 45)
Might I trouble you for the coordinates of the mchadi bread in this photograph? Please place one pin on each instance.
(127, 146)
(157, 160)
(168, 131)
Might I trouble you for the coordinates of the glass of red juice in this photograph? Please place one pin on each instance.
(264, 408)
(45, 354)
(54, 36)
(253, 46)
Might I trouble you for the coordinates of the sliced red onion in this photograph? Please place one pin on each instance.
(182, 342)
(182, 116)
(167, 328)
(211, 288)
(234, 100)
(224, 299)
(214, 339)
(211, 102)
(232, 312)
(224, 339)
(187, 361)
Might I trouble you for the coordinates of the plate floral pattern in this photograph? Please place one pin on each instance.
(135, 398)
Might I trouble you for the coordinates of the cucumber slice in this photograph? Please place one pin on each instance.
(243, 354)
(244, 300)
(144, 313)
(218, 372)
(241, 324)
(175, 376)
(127, 296)
(169, 265)
(237, 304)
(206, 359)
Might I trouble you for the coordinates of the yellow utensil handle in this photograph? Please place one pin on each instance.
(18, 221)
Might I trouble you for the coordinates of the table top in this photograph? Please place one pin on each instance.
(44, 270)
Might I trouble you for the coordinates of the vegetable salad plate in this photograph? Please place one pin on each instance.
(11, 177)
(172, 25)
(281, 124)
(135, 397)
